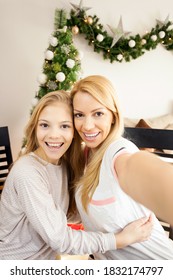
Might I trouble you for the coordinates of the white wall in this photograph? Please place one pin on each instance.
(144, 85)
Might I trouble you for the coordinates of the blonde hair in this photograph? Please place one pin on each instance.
(46, 100)
(103, 91)
(31, 138)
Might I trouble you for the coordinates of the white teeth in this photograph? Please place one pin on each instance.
(91, 135)
(54, 145)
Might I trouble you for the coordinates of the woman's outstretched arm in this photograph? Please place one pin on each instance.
(148, 180)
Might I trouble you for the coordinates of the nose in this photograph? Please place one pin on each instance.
(54, 133)
(88, 123)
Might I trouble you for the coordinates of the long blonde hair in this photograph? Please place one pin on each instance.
(102, 90)
(31, 138)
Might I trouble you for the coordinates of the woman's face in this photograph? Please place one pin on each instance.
(54, 131)
(92, 119)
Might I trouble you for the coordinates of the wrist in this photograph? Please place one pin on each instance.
(120, 241)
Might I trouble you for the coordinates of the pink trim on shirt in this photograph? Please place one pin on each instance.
(103, 201)
(122, 152)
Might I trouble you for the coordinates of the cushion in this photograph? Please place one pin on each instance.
(143, 124)
(162, 122)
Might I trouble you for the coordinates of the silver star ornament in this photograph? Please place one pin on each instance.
(118, 32)
(162, 23)
(80, 7)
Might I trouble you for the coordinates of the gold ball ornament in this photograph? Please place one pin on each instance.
(89, 20)
(75, 30)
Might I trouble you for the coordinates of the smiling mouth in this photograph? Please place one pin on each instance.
(54, 145)
(91, 136)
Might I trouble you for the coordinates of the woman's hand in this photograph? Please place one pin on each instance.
(137, 231)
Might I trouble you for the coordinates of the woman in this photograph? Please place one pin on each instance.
(114, 171)
(35, 198)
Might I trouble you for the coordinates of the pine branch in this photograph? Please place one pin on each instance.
(60, 19)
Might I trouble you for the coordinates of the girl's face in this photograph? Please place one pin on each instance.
(54, 131)
(92, 120)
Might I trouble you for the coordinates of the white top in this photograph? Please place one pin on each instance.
(111, 209)
(33, 209)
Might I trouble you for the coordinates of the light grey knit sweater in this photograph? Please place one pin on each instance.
(33, 207)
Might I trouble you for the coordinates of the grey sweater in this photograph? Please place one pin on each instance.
(33, 208)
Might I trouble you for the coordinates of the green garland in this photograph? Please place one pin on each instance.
(62, 66)
(124, 49)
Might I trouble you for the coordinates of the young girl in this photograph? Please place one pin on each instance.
(113, 166)
(35, 198)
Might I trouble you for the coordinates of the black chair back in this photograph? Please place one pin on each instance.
(159, 139)
(5, 154)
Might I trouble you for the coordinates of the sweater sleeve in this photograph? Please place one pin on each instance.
(50, 221)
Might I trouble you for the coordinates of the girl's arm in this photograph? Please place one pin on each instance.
(137, 231)
(148, 180)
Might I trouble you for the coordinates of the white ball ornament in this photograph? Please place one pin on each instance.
(65, 29)
(154, 38)
(162, 34)
(170, 27)
(60, 76)
(53, 41)
(143, 41)
(42, 79)
(49, 55)
(119, 57)
(132, 43)
(100, 38)
(70, 63)
(34, 101)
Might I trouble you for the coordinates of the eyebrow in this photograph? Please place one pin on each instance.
(42, 120)
(101, 108)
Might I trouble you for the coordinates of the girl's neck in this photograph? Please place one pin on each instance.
(41, 154)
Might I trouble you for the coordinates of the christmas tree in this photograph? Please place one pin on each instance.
(62, 67)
